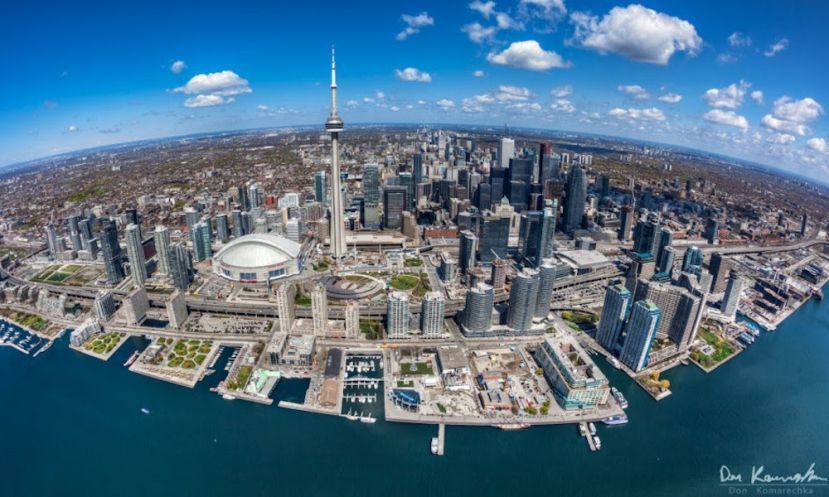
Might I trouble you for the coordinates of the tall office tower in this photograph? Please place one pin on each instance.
(547, 278)
(201, 242)
(731, 299)
(523, 297)
(448, 267)
(719, 267)
(238, 223)
(352, 319)
(519, 177)
(506, 151)
(604, 186)
(397, 314)
(467, 246)
(574, 202)
(497, 183)
(499, 273)
(431, 314)
(292, 230)
(52, 241)
(255, 195)
(319, 309)
(104, 305)
(86, 233)
(477, 312)
(242, 197)
(681, 310)
(285, 296)
(537, 235)
(692, 261)
(394, 203)
(482, 199)
(222, 230)
(549, 167)
(494, 237)
(417, 168)
(371, 184)
(664, 240)
(705, 280)
(406, 180)
(133, 218)
(162, 248)
(112, 252)
(712, 228)
(646, 235)
(247, 223)
(334, 125)
(804, 221)
(74, 233)
(666, 262)
(625, 223)
(614, 314)
(181, 266)
(644, 321)
(135, 252)
(176, 309)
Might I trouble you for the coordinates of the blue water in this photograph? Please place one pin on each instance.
(71, 425)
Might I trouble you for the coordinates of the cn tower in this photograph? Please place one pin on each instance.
(334, 125)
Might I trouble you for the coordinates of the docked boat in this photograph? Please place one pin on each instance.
(132, 359)
(514, 426)
(592, 428)
(582, 429)
(623, 402)
(227, 396)
(614, 362)
(615, 420)
(817, 293)
(435, 445)
(367, 419)
(746, 338)
(597, 441)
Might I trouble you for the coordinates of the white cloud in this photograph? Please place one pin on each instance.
(224, 83)
(504, 21)
(670, 98)
(177, 66)
(207, 101)
(445, 104)
(636, 32)
(648, 114)
(757, 96)
(263, 108)
(486, 9)
(413, 74)
(72, 128)
(634, 91)
(738, 39)
(414, 24)
(562, 105)
(478, 33)
(368, 100)
(352, 103)
(729, 97)
(781, 138)
(547, 7)
(421, 102)
(379, 95)
(394, 108)
(792, 116)
(479, 74)
(507, 93)
(727, 117)
(527, 55)
(818, 145)
(777, 47)
(525, 107)
(562, 91)
(726, 58)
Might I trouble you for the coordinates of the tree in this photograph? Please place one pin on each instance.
(664, 384)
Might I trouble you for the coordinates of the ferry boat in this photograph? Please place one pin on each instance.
(597, 441)
(615, 420)
(514, 426)
(746, 338)
(614, 362)
(132, 359)
(435, 445)
(623, 402)
(592, 428)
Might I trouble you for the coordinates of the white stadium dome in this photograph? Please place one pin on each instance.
(257, 258)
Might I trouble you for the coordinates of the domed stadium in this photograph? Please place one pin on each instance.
(258, 258)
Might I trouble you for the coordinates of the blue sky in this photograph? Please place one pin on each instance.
(745, 79)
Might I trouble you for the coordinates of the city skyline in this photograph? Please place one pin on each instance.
(736, 88)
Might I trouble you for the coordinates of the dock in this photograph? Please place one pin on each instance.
(441, 438)
(583, 431)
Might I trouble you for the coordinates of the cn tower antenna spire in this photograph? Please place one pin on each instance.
(334, 125)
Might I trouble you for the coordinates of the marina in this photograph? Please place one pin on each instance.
(20, 339)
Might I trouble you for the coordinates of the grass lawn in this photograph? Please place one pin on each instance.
(420, 368)
(372, 329)
(242, 377)
(405, 384)
(413, 262)
(418, 284)
(722, 349)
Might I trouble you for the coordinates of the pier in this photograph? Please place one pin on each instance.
(441, 438)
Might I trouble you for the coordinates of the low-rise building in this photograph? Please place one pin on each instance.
(576, 381)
